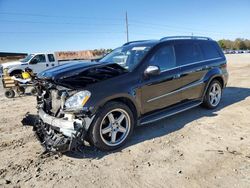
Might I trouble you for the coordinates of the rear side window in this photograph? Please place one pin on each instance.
(164, 58)
(51, 58)
(187, 52)
(209, 50)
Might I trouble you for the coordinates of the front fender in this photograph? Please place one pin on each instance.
(95, 105)
(15, 69)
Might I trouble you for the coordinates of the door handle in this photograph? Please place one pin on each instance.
(177, 76)
(206, 67)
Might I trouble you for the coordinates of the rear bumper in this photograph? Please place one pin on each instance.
(225, 77)
(61, 135)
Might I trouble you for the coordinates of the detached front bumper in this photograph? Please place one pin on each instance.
(61, 134)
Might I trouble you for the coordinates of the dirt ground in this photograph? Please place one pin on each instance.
(197, 148)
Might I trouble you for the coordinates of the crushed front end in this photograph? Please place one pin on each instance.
(61, 126)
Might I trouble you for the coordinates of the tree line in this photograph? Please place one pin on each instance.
(101, 52)
(237, 44)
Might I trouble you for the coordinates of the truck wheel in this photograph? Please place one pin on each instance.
(213, 95)
(9, 93)
(112, 126)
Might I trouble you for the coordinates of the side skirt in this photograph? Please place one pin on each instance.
(168, 112)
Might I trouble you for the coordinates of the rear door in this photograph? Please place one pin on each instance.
(190, 59)
(51, 61)
(159, 91)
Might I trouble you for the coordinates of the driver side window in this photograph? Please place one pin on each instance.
(40, 58)
(164, 58)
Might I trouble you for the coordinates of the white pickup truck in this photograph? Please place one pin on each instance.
(37, 62)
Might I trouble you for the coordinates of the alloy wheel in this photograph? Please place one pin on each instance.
(115, 127)
(215, 94)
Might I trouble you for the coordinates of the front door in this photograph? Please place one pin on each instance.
(38, 63)
(161, 90)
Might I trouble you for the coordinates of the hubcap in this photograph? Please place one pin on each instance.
(215, 94)
(115, 127)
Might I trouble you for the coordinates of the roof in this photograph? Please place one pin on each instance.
(170, 38)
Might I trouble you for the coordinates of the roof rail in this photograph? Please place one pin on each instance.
(135, 42)
(185, 37)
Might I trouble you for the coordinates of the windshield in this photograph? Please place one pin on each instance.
(126, 56)
(27, 58)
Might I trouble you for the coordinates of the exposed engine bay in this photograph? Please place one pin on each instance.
(59, 131)
(61, 96)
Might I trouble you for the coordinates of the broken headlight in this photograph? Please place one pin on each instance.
(78, 100)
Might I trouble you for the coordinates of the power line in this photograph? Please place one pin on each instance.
(58, 32)
(176, 28)
(60, 23)
(134, 22)
(185, 31)
(57, 16)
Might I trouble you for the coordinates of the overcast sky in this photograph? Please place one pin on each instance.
(46, 25)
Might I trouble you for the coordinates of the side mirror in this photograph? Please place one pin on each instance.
(152, 70)
(34, 61)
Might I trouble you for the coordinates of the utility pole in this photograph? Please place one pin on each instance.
(127, 26)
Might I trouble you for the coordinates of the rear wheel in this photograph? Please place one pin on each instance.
(112, 126)
(213, 95)
(9, 93)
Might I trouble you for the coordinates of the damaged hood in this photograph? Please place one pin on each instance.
(77, 75)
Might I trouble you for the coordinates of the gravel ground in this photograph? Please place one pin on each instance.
(197, 148)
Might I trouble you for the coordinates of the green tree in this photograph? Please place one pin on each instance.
(222, 44)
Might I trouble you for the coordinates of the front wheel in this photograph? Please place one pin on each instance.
(112, 126)
(213, 95)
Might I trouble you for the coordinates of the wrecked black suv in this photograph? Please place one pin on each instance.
(136, 84)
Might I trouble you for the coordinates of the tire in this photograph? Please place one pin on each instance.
(33, 91)
(9, 93)
(212, 97)
(106, 133)
(21, 90)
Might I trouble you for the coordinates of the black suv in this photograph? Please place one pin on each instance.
(136, 84)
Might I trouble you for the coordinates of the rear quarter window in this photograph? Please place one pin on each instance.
(210, 50)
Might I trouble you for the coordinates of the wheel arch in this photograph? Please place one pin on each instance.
(123, 98)
(215, 77)
(129, 103)
(15, 71)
